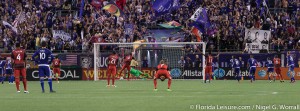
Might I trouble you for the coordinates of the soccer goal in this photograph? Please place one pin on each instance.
(148, 56)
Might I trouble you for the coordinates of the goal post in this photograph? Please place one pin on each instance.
(148, 53)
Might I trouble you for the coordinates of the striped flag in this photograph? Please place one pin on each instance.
(20, 19)
(8, 25)
(70, 59)
(197, 33)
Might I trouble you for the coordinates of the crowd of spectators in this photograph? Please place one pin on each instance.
(229, 18)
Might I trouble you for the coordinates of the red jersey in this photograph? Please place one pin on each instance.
(162, 66)
(127, 59)
(19, 57)
(209, 61)
(112, 60)
(276, 62)
(56, 63)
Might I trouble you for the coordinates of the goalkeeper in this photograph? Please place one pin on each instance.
(135, 72)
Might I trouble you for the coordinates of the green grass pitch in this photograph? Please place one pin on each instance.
(187, 95)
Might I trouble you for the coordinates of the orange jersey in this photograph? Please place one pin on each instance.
(209, 61)
(18, 56)
(162, 66)
(276, 62)
(56, 63)
(112, 60)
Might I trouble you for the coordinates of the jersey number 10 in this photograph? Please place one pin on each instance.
(42, 55)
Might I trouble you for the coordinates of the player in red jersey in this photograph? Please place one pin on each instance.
(126, 64)
(56, 68)
(112, 68)
(276, 61)
(208, 67)
(162, 73)
(19, 62)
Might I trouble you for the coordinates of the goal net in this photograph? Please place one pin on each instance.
(180, 57)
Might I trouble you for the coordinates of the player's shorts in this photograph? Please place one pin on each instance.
(112, 70)
(237, 71)
(270, 69)
(291, 67)
(44, 71)
(20, 72)
(8, 71)
(56, 71)
(208, 69)
(162, 73)
(252, 70)
(277, 70)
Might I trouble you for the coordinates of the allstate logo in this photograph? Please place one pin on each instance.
(291, 73)
(219, 73)
(262, 73)
(175, 72)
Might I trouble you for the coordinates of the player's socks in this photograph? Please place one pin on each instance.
(56, 77)
(269, 78)
(13, 79)
(155, 83)
(128, 76)
(50, 83)
(108, 79)
(113, 80)
(42, 84)
(1, 79)
(169, 83)
(25, 84)
(18, 84)
(9, 79)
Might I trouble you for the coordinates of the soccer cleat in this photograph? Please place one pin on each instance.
(155, 89)
(57, 81)
(18, 91)
(169, 90)
(26, 92)
(43, 91)
(113, 85)
(293, 81)
(52, 91)
(270, 81)
(107, 85)
(121, 78)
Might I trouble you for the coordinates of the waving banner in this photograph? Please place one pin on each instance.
(164, 6)
(201, 20)
(61, 34)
